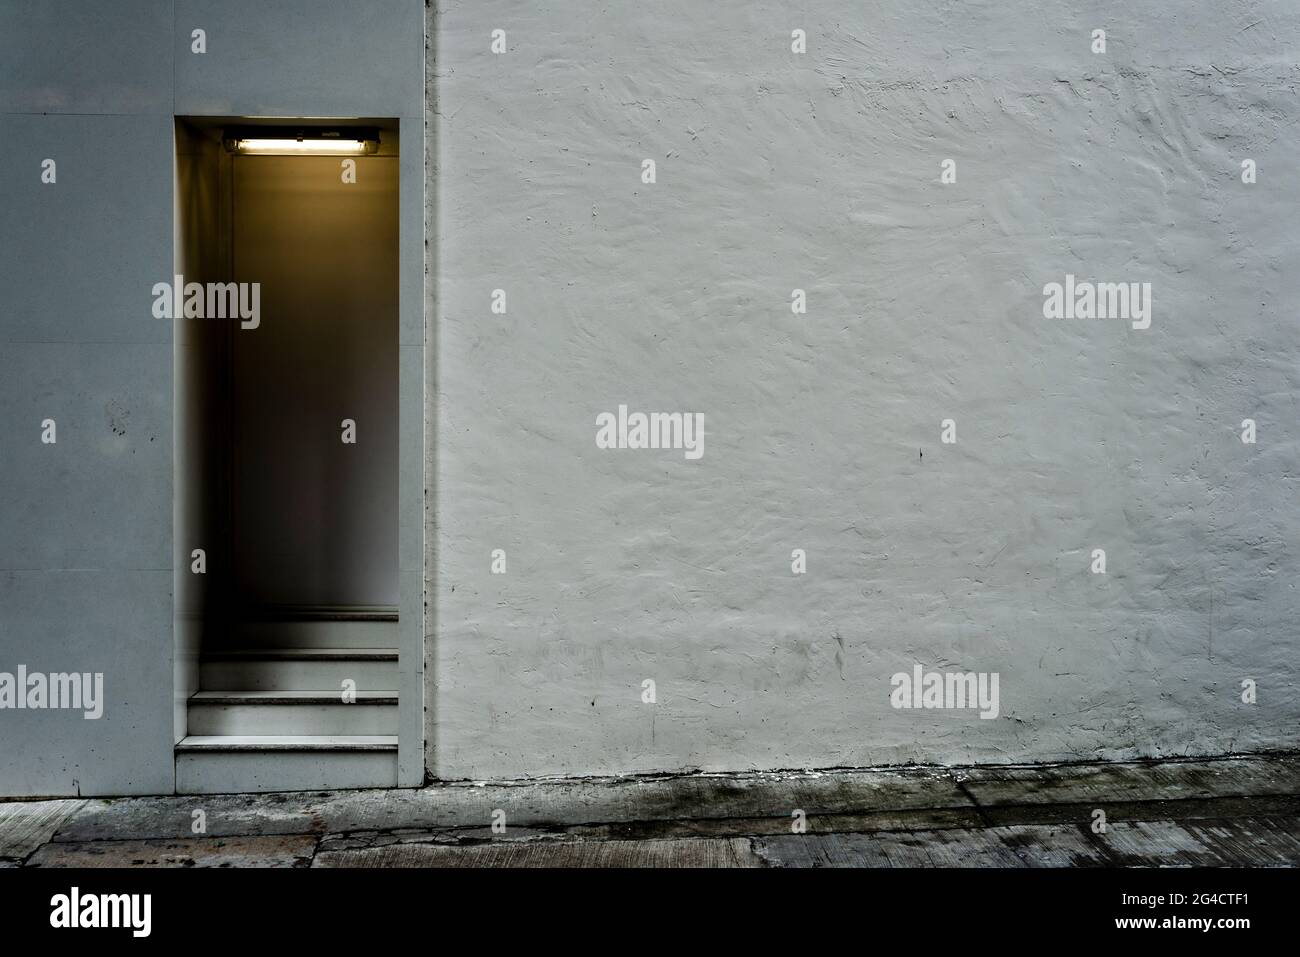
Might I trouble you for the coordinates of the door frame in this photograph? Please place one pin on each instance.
(410, 133)
(412, 346)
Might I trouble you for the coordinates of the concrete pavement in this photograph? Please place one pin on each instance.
(1240, 811)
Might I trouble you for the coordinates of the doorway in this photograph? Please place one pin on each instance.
(287, 454)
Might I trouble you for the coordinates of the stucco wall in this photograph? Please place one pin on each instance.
(821, 171)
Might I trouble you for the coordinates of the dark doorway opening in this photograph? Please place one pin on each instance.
(287, 454)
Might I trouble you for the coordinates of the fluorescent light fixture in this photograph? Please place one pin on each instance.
(305, 146)
(302, 140)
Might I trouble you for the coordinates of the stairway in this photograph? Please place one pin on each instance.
(270, 714)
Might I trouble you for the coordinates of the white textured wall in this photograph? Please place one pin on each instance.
(821, 171)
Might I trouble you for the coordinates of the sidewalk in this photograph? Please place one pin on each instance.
(1240, 812)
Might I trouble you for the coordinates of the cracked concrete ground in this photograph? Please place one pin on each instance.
(1238, 811)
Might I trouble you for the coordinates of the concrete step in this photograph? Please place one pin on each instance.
(292, 713)
(298, 669)
(220, 764)
(342, 630)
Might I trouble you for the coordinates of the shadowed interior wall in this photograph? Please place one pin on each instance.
(202, 409)
(314, 519)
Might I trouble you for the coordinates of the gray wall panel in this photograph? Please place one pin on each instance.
(84, 56)
(82, 253)
(86, 550)
(114, 622)
(100, 497)
(300, 58)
